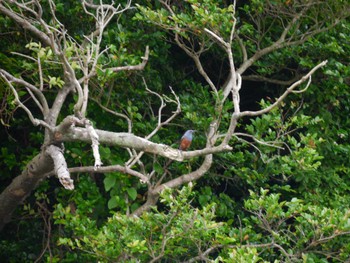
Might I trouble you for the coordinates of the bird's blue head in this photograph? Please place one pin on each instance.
(188, 135)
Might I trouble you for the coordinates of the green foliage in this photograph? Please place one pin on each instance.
(176, 233)
(123, 192)
(191, 18)
(225, 207)
(282, 193)
(312, 226)
(293, 228)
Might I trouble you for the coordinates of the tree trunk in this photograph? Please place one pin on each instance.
(23, 185)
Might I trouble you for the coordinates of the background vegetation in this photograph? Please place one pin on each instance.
(280, 195)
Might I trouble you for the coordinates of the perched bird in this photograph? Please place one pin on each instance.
(186, 140)
(185, 143)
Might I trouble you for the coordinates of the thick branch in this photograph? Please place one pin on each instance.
(128, 140)
(55, 110)
(25, 24)
(186, 178)
(22, 186)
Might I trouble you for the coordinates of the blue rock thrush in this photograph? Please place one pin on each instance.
(186, 140)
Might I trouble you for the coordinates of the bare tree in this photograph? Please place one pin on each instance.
(84, 61)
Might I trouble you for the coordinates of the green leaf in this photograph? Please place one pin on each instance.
(158, 168)
(113, 202)
(109, 182)
(132, 193)
(105, 152)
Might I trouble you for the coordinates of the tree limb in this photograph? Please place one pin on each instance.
(35, 121)
(284, 95)
(270, 80)
(11, 79)
(22, 186)
(25, 24)
(140, 66)
(128, 140)
(109, 169)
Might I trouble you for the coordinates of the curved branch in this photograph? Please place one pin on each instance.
(284, 95)
(232, 84)
(140, 66)
(35, 121)
(198, 63)
(43, 103)
(115, 114)
(269, 144)
(243, 48)
(281, 43)
(153, 193)
(186, 178)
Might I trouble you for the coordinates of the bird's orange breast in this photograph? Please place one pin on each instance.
(185, 144)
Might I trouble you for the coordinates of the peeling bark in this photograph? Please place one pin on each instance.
(94, 144)
(60, 166)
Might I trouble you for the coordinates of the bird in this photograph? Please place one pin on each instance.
(185, 143)
(186, 140)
